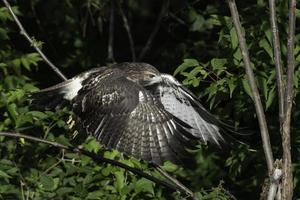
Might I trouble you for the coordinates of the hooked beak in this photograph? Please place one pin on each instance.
(154, 80)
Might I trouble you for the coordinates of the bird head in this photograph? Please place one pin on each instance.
(141, 73)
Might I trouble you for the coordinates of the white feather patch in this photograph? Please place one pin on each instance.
(72, 88)
(141, 96)
(170, 79)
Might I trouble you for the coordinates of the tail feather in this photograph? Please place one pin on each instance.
(56, 96)
(63, 93)
(49, 100)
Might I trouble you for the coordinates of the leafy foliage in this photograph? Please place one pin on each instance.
(198, 37)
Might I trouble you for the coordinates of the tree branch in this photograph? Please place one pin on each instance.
(280, 83)
(174, 181)
(251, 78)
(110, 49)
(274, 184)
(287, 182)
(277, 59)
(274, 188)
(127, 28)
(155, 30)
(33, 43)
(100, 159)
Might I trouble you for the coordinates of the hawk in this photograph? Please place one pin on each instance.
(135, 109)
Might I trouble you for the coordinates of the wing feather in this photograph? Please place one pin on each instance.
(181, 103)
(123, 115)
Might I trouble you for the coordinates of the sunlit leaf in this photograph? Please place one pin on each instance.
(187, 63)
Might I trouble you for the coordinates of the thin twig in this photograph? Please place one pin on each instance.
(33, 43)
(228, 193)
(127, 27)
(287, 181)
(110, 49)
(155, 30)
(251, 78)
(277, 59)
(174, 181)
(22, 190)
(180, 21)
(97, 158)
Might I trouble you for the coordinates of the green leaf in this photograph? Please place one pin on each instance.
(170, 167)
(297, 13)
(111, 154)
(214, 20)
(95, 194)
(262, 83)
(270, 98)
(268, 34)
(25, 62)
(261, 3)
(47, 182)
(64, 190)
(238, 56)
(187, 63)
(4, 175)
(233, 38)
(37, 114)
(195, 82)
(5, 15)
(144, 185)
(93, 145)
(198, 23)
(3, 34)
(12, 109)
(199, 69)
(120, 180)
(218, 64)
(107, 170)
(232, 84)
(267, 47)
(246, 87)
(34, 58)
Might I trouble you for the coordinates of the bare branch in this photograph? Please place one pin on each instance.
(279, 80)
(110, 49)
(155, 30)
(99, 159)
(251, 78)
(35, 139)
(277, 59)
(174, 181)
(287, 182)
(33, 43)
(127, 27)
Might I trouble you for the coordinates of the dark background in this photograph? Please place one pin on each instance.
(74, 36)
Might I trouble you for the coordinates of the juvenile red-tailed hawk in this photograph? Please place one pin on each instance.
(134, 108)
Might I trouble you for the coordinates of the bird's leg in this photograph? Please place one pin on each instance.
(71, 123)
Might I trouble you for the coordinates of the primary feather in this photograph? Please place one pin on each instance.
(135, 109)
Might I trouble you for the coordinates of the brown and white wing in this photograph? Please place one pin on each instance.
(123, 115)
(180, 102)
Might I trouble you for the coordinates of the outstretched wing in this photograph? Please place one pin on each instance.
(123, 115)
(180, 102)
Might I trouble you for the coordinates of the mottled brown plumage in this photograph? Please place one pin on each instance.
(135, 109)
